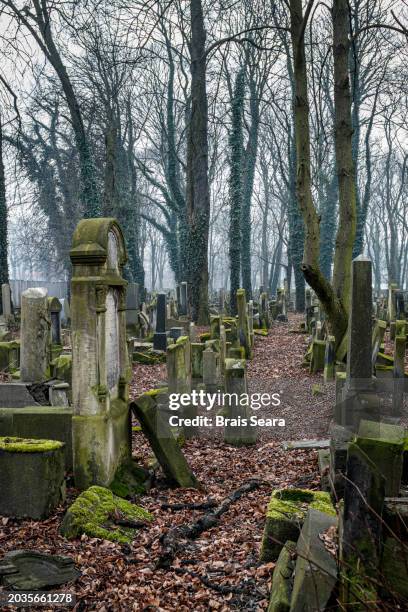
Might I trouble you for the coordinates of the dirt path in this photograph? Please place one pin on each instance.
(226, 556)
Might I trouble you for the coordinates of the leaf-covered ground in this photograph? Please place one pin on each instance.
(219, 570)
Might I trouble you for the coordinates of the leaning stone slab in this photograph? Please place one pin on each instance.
(31, 570)
(281, 589)
(285, 515)
(157, 430)
(316, 568)
(306, 444)
(99, 513)
(39, 422)
(31, 477)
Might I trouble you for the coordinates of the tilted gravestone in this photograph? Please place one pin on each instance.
(100, 365)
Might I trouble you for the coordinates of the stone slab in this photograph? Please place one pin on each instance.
(316, 568)
(306, 444)
(15, 395)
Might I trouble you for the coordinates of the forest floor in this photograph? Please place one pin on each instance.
(220, 569)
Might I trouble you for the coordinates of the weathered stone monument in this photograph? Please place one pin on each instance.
(132, 306)
(359, 398)
(100, 365)
(160, 335)
(35, 336)
(6, 300)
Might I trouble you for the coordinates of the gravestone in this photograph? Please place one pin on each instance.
(100, 365)
(6, 300)
(55, 308)
(183, 310)
(35, 336)
(359, 398)
(160, 335)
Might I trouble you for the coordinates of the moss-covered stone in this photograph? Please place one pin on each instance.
(31, 477)
(26, 445)
(204, 337)
(92, 512)
(282, 579)
(384, 445)
(130, 480)
(62, 368)
(285, 515)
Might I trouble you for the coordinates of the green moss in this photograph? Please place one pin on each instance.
(144, 358)
(27, 445)
(182, 340)
(296, 502)
(130, 479)
(285, 514)
(261, 332)
(91, 514)
(204, 337)
(155, 392)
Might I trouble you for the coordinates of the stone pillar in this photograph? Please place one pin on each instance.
(55, 308)
(392, 302)
(160, 336)
(215, 322)
(237, 431)
(399, 374)
(100, 364)
(359, 398)
(184, 299)
(6, 300)
(210, 370)
(250, 309)
(223, 348)
(359, 349)
(132, 306)
(329, 359)
(192, 332)
(35, 336)
(197, 349)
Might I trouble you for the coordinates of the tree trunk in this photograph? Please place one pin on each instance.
(236, 189)
(331, 303)
(89, 192)
(198, 196)
(248, 186)
(4, 276)
(344, 156)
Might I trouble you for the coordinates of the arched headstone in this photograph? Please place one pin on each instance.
(100, 367)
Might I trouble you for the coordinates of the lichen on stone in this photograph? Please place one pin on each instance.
(28, 445)
(92, 512)
(296, 502)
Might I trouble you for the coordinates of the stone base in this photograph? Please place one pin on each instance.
(100, 444)
(39, 422)
(30, 480)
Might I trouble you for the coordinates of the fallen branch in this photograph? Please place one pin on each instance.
(225, 589)
(175, 538)
(204, 506)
